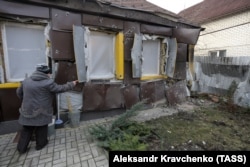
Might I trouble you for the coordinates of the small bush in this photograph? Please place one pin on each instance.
(128, 142)
(122, 134)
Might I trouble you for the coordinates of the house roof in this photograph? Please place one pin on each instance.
(208, 10)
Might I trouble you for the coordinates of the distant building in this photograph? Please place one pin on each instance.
(222, 53)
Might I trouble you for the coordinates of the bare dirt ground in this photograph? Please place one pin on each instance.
(201, 123)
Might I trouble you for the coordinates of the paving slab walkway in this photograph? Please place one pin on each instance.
(67, 147)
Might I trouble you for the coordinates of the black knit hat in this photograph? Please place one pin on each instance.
(43, 68)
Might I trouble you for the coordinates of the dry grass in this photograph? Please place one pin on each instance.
(212, 127)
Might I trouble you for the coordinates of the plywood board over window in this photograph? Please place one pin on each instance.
(24, 47)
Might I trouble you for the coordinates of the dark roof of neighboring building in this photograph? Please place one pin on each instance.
(208, 10)
(140, 5)
(144, 5)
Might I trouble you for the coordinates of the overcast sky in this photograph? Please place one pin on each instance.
(174, 6)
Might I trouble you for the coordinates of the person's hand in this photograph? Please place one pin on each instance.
(75, 82)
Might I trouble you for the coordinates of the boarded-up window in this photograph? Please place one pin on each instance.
(24, 47)
(101, 55)
(153, 57)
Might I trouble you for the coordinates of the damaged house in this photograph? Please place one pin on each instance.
(120, 54)
(222, 53)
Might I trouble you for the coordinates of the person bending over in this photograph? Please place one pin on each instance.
(36, 93)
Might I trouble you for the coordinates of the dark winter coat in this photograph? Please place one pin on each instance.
(36, 93)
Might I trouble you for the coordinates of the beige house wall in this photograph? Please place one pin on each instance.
(230, 33)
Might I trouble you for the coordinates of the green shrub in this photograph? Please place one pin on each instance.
(122, 134)
(128, 142)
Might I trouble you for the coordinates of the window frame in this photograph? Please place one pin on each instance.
(219, 53)
(6, 55)
(83, 54)
(166, 64)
